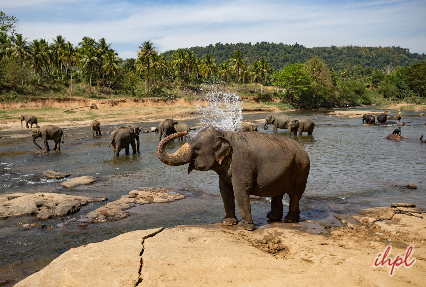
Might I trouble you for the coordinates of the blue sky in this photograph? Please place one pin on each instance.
(172, 24)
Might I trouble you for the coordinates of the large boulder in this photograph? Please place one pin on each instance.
(73, 182)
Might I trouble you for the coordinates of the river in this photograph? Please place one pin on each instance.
(352, 167)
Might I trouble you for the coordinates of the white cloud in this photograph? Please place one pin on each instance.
(174, 25)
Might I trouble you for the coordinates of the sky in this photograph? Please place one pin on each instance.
(173, 24)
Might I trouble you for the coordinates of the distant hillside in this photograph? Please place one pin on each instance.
(338, 58)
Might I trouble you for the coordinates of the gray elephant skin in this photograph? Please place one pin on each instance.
(300, 125)
(246, 166)
(181, 127)
(279, 122)
(382, 118)
(29, 119)
(368, 119)
(48, 132)
(123, 137)
(95, 126)
(166, 128)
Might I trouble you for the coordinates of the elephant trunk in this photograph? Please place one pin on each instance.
(180, 157)
(265, 125)
(36, 143)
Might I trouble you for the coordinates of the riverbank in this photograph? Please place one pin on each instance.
(273, 255)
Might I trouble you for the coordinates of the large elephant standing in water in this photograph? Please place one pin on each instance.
(246, 166)
(368, 119)
(123, 137)
(29, 119)
(279, 122)
(382, 118)
(167, 127)
(301, 125)
(48, 132)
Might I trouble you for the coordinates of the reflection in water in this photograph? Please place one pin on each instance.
(352, 167)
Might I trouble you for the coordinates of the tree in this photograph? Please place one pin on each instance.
(415, 76)
(7, 23)
(111, 65)
(238, 62)
(224, 71)
(58, 48)
(20, 51)
(147, 51)
(89, 57)
(295, 79)
(69, 59)
(178, 63)
(208, 67)
(39, 56)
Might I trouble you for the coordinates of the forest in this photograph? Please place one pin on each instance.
(297, 76)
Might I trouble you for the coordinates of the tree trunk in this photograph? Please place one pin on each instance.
(71, 83)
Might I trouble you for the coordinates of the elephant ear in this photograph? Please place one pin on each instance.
(222, 150)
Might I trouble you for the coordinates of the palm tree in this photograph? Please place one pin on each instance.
(102, 48)
(209, 67)
(255, 72)
(89, 57)
(178, 63)
(238, 62)
(5, 44)
(224, 71)
(147, 51)
(38, 56)
(111, 65)
(69, 58)
(58, 47)
(264, 69)
(244, 76)
(20, 50)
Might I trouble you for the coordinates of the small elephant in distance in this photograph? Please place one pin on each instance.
(48, 132)
(248, 127)
(32, 120)
(181, 128)
(95, 126)
(368, 119)
(167, 127)
(422, 140)
(382, 118)
(122, 137)
(279, 122)
(301, 125)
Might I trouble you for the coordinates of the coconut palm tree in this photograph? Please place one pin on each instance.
(224, 71)
(238, 62)
(58, 47)
(5, 44)
(38, 56)
(208, 67)
(89, 57)
(147, 51)
(111, 65)
(178, 63)
(20, 50)
(69, 56)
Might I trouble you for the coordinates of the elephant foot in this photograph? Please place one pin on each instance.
(272, 217)
(229, 221)
(292, 217)
(247, 226)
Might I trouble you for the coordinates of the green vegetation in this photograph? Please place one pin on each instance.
(301, 77)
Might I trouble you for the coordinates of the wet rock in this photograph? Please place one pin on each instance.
(55, 174)
(400, 124)
(422, 114)
(409, 186)
(73, 182)
(44, 205)
(154, 129)
(403, 205)
(116, 210)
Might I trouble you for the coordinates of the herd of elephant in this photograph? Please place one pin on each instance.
(242, 159)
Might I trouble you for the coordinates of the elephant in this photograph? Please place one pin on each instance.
(29, 119)
(422, 140)
(181, 128)
(48, 132)
(167, 127)
(95, 127)
(248, 127)
(279, 122)
(382, 118)
(246, 166)
(122, 137)
(368, 119)
(301, 125)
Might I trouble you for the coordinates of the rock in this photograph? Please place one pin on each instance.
(154, 129)
(93, 106)
(411, 186)
(115, 210)
(73, 182)
(403, 205)
(44, 205)
(54, 174)
(114, 262)
(400, 124)
(422, 114)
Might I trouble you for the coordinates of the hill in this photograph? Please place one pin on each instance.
(338, 58)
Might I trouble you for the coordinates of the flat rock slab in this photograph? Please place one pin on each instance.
(73, 182)
(116, 210)
(115, 262)
(44, 205)
(55, 174)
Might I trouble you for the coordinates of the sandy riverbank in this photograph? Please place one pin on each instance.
(302, 254)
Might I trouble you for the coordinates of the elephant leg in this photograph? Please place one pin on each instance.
(293, 211)
(46, 145)
(228, 199)
(133, 146)
(114, 150)
(310, 133)
(300, 131)
(276, 213)
(127, 149)
(242, 196)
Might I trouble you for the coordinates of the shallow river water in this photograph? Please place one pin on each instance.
(352, 167)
